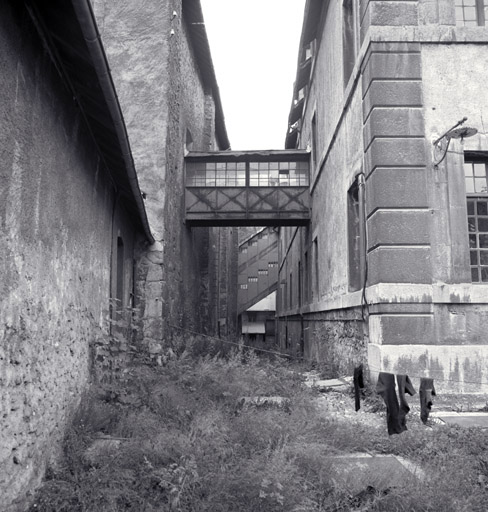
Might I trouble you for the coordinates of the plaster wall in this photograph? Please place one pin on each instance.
(57, 220)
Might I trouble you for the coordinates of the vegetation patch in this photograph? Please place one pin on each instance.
(174, 438)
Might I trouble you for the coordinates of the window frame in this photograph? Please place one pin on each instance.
(480, 7)
(477, 215)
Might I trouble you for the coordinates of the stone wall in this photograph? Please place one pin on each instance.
(57, 220)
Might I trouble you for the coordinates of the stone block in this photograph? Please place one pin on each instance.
(399, 265)
(392, 93)
(398, 228)
(396, 188)
(402, 329)
(393, 152)
(393, 13)
(393, 122)
(393, 66)
(367, 477)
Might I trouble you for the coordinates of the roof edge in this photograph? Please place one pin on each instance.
(194, 16)
(89, 28)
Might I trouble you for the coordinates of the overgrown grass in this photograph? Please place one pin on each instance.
(174, 439)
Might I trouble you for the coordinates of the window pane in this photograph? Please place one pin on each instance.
(483, 258)
(481, 208)
(484, 241)
(470, 13)
(475, 275)
(480, 185)
(471, 224)
(472, 241)
(468, 169)
(473, 257)
(482, 224)
(470, 207)
(469, 186)
(479, 169)
(459, 15)
(484, 274)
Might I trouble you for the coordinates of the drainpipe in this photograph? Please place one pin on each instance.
(362, 232)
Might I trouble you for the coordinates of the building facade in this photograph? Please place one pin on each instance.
(71, 217)
(162, 69)
(257, 281)
(391, 270)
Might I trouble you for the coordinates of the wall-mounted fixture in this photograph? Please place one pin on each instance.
(441, 144)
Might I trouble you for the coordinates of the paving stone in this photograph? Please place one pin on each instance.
(463, 419)
(323, 384)
(356, 472)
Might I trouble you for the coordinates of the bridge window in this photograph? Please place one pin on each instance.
(233, 174)
(216, 174)
(252, 279)
(278, 174)
(263, 272)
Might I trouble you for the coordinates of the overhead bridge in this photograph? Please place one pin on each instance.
(247, 188)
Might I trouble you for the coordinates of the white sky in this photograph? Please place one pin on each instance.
(254, 46)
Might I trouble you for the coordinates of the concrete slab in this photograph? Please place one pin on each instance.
(328, 384)
(356, 472)
(463, 419)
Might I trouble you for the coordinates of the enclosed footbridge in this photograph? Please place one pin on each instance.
(247, 188)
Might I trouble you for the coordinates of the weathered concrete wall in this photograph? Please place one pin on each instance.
(56, 223)
(166, 104)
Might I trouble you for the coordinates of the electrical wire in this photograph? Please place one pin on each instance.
(305, 360)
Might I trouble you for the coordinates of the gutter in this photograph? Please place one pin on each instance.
(86, 19)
